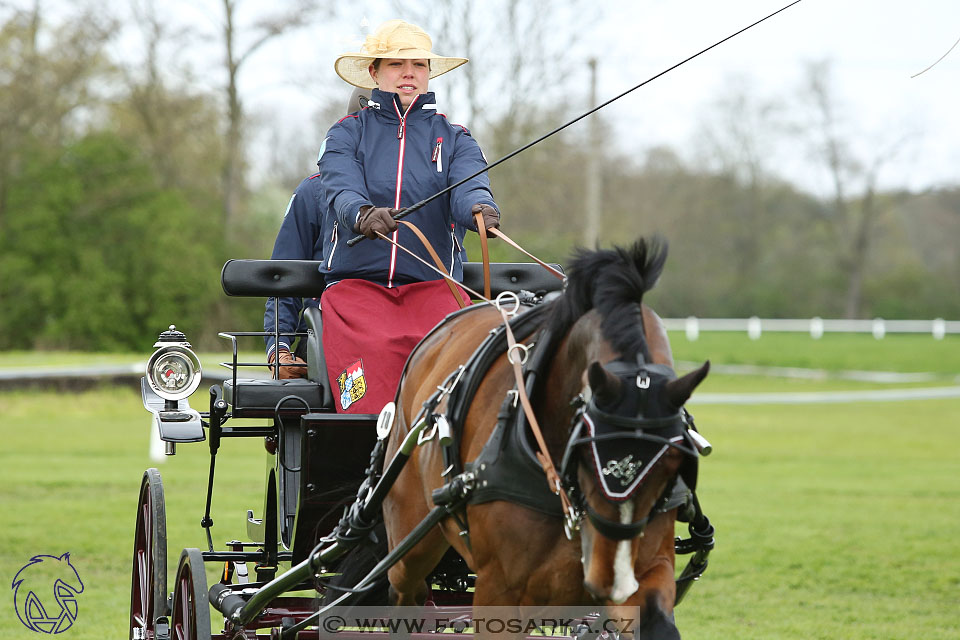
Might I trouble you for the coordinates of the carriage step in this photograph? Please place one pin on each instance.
(254, 528)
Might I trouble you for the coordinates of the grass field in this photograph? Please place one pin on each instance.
(833, 521)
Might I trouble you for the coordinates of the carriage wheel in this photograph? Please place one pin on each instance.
(148, 590)
(190, 619)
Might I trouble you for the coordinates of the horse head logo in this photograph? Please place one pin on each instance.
(31, 593)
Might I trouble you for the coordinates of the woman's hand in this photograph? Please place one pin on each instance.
(376, 220)
(491, 219)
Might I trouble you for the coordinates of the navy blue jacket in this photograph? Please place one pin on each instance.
(298, 239)
(382, 157)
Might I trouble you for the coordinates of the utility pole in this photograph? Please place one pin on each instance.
(591, 233)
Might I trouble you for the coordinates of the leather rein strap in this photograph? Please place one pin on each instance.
(482, 232)
(458, 296)
(543, 455)
(441, 269)
(503, 236)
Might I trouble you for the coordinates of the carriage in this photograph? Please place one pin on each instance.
(308, 519)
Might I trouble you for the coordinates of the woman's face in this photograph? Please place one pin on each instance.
(406, 78)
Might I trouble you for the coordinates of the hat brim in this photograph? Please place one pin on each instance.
(353, 67)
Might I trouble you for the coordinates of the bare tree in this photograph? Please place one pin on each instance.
(259, 32)
(45, 82)
(853, 211)
(738, 141)
(176, 124)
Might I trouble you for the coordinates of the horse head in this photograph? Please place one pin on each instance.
(631, 447)
(629, 441)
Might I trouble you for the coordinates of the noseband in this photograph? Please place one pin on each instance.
(609, 435)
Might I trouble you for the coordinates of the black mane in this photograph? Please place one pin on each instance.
(613, 282)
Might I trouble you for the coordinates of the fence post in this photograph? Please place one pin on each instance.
(753, 328)
(816, 327)
(879, 328)
(939, 328)
(692, 328)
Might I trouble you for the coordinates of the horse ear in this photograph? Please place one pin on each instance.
(604, 384)
(679, 390)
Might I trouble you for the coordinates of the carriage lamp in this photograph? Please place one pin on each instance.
(173, 371)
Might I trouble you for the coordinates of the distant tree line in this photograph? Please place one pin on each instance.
(124, 188)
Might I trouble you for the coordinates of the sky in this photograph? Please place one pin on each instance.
(874, 47)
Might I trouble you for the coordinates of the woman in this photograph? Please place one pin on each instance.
(379, 301)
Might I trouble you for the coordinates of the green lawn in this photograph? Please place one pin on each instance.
(70, 471)
(832, 352)
(833, 521)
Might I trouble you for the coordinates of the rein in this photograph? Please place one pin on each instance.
(452, 282)
(543, 455)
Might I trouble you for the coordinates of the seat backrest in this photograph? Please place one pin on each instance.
(316, 363)
(302, 278)
(512, 276)
(269, 278)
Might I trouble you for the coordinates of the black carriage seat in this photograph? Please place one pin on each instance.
(257, 398)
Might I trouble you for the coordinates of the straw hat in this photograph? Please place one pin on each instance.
(392, 39)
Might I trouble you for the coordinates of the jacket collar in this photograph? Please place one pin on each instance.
(425, 103)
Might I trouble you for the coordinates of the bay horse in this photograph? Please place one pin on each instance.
(609, 362)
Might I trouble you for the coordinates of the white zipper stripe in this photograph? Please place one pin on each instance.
(453, 250)
(334, 249)
(403, 143)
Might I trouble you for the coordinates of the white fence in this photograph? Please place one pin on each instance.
(816, 327)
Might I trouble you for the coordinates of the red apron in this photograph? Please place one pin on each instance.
(368, 332)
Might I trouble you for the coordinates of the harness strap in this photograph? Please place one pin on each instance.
(438, 261)
(482, 232)
(629, 530)
(543, 455)
(617, 530)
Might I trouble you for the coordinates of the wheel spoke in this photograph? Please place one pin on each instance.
(148, 579)
(186, 610)
(144, 583)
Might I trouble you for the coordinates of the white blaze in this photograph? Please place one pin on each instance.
(624, 582)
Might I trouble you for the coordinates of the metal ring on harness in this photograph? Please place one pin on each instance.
(508, 296)
(523, 358)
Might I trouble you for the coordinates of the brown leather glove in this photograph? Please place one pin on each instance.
(376, 219)
(491, 219)
(287, 373)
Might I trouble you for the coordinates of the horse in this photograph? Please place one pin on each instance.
(609, 361)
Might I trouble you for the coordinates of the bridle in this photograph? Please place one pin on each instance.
(592, 427)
